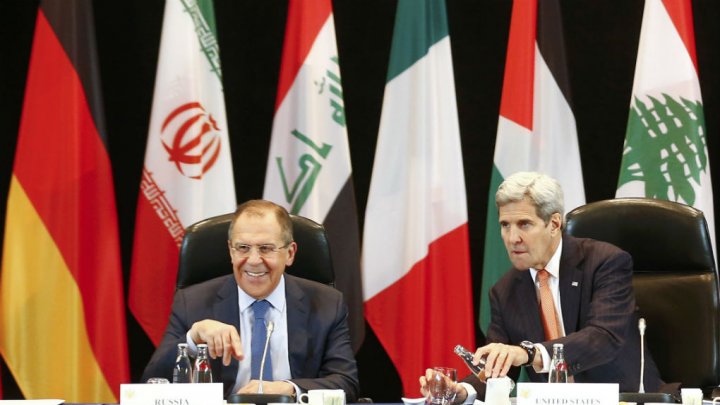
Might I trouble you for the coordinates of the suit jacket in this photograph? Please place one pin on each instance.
(318, 337)
(602, 342)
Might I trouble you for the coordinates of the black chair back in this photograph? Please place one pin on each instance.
(204, 251)
(674, 278)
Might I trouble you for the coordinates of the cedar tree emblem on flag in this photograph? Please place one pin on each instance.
(671, 149)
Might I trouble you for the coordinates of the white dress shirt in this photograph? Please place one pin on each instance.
(277, 313)
(553, 267)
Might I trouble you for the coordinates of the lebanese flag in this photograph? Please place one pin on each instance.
(536, 128)
(188, 173)
(62, 315)
(665, 154)
(308, 170)
(416, 260)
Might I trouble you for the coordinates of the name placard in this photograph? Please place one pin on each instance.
(567, 394)
(171, 394)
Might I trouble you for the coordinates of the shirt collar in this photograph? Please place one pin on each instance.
(553, 266)
(276, 298)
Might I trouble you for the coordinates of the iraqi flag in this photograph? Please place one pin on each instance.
(665, 155)
(187, 174)
(416, 260)
(309, 170)
(536, 128)
(62, 315)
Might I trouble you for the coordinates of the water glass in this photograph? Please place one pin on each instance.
(441, 386)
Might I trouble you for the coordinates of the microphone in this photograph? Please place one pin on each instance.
(641, 397)
(261, 398)
(641, 327)
(269, 330)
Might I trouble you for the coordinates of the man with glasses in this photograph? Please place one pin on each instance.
(309, 346)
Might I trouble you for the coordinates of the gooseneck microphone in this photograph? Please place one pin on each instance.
(641, 327)
(260, 398)
(269, 330)
(641, 397)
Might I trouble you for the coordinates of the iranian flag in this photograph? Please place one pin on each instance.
(416, 260)
(62, 312)
(536, 128)
(665, 155)
(187, 174)
(308, 170)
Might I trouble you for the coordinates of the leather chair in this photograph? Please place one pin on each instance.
(204, 252)
(674, 278)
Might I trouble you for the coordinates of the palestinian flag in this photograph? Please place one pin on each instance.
(416, 259)
(536, 128)
(665, 155)
(188, 174)
(308, 170)
(62, 315)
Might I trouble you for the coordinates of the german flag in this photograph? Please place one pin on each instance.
(62, 318)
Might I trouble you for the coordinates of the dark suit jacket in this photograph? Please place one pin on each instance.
(602, 342)
(318, 338)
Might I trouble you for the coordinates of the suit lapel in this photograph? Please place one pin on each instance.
(226, 310)
(297, 319)
(570, 283)
(529, 310)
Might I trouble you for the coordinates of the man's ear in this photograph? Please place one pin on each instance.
(556, 222)
(292, 249)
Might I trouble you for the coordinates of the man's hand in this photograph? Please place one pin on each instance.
(269, 387)
(460, 393)
(222, 339)
(500, 358)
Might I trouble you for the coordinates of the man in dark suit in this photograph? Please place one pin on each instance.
(561, 289)
(310, 346)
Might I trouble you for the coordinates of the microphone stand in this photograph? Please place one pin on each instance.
(641, 327)
(261, 398)
(641, 397)
(270, 328)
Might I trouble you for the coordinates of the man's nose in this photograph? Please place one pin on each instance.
(254, 256)
(514, 235)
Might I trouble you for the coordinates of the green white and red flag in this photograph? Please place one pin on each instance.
(188, 173)
(416, 259)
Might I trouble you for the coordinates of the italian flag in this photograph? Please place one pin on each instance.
(188, 173)
(536, 128)
(62, 312)
(665, 155)
(416, 261)
(308, 170)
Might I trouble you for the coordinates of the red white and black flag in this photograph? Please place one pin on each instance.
(308, 169)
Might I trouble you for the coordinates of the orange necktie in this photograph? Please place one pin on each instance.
(547, 307)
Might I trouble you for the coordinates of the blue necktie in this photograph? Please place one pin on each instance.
(257, 342)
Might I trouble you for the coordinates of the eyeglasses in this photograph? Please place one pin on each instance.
(267, 250)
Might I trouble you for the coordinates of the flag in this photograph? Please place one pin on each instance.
(536, 128)
(187, 174)
(308, 170)
(62, 315)
(415, 257)
(665, 155)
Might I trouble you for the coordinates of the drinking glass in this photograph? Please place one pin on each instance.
(441, 386)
